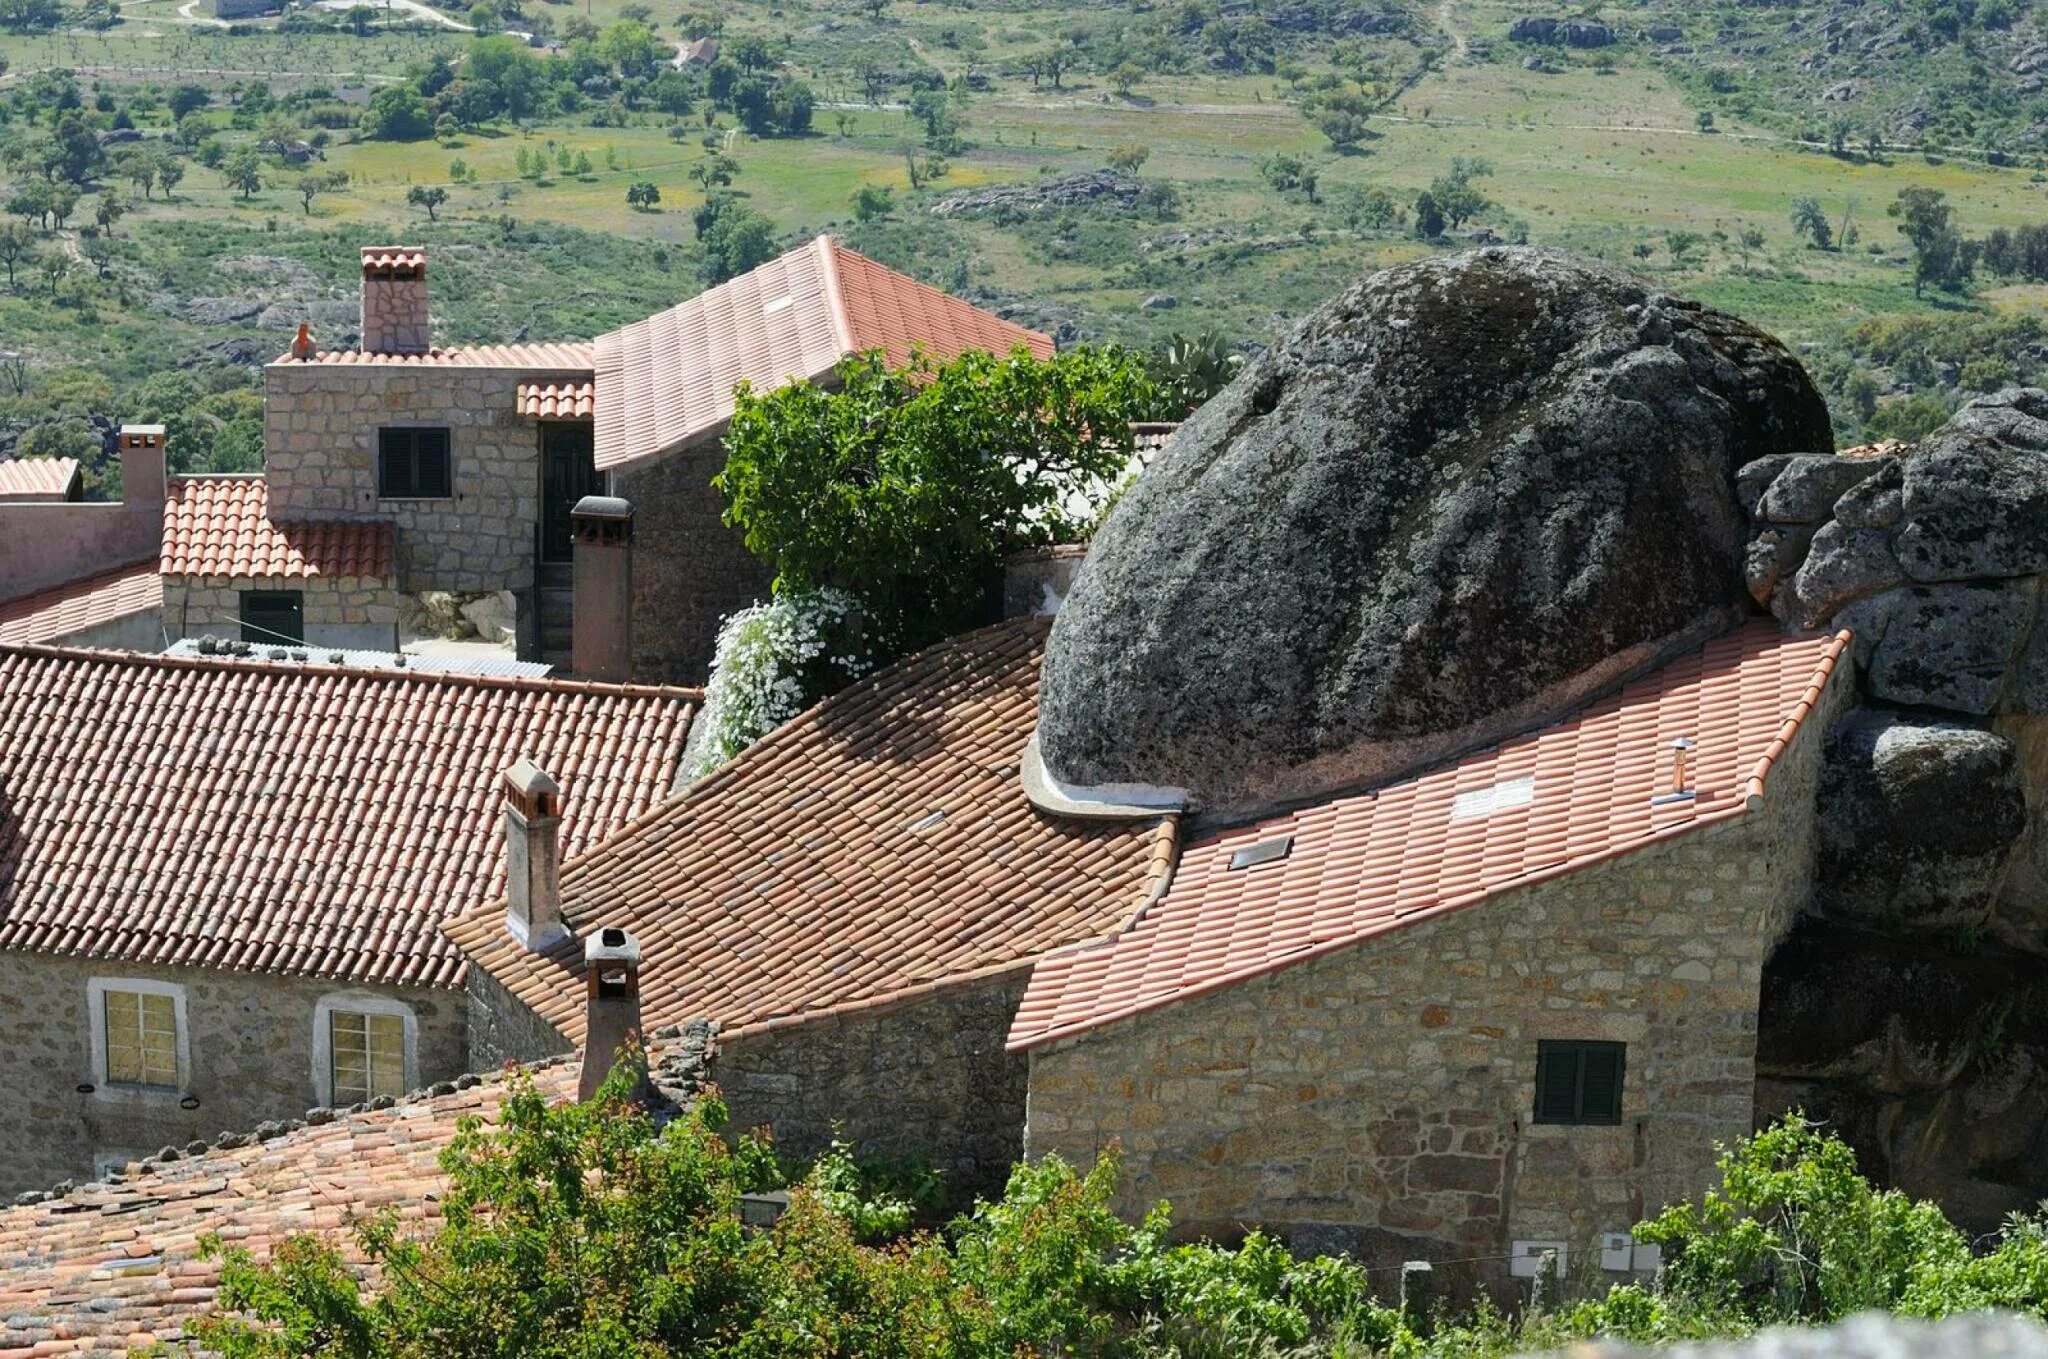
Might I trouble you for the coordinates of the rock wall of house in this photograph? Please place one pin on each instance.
(320, 424)
(690, 571)
(250, 1039)
(927, 1080)
(502, 1028)
(344, 611)
(1379, 1099)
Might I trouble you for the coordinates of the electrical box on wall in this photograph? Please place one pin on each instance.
(1617, 1251)
(1525, 1256)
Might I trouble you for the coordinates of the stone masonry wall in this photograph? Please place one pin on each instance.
(1379, 1099)
(250, 1037)
(320, 425)
(344, 611)
(502, 1028)
(689, 570)
(929, 1080)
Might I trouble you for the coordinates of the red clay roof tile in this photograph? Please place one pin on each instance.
(1548, 803)
(877, 846)
(668, 380)
(569, 356)
(37, 478)
(108, 1267)
(220, 525)
(291, 818)
(83, 603)
(558, 400)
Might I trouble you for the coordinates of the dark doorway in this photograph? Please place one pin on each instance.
(568, 472)
(273, 617)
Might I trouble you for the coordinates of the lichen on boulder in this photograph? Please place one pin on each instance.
(1463, 495)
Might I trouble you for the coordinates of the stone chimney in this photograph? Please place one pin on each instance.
(142, 471)
(611, 1007)
(602, 633)
(395, 319)
(533, 851)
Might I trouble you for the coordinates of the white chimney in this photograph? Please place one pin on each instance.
(395, 317)
(533, 853)
(611, 1007)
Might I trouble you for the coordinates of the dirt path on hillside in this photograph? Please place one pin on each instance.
(1459, 47)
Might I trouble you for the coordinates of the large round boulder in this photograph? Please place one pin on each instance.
(1464, 493)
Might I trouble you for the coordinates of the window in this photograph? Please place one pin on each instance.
(413, 464)
(138, 1034)
(363, 1048)
(1578, 1082)
(273, 617)
(368, 1056)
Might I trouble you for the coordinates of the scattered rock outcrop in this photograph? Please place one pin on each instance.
(1464, 494)
(1089, 188)
(1570, 32)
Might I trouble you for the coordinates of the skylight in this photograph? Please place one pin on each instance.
(1264, 852)
(1470, 806)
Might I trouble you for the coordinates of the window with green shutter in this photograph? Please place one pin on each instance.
(1579, 1082)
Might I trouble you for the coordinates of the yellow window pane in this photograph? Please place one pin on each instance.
(141, 1031)
(387, 1055)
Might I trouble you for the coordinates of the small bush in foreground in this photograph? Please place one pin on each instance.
(585, 1231)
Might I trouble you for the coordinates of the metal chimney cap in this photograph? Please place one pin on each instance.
(602, 507)
(611, 944)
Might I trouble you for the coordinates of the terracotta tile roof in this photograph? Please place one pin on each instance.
(567, 357)
(558, 400)
(290, 818)
(877, 847)
(37, 478)
(1152, 436)
(80, 604)
(1546, 804)
(393, 257)
(106, 1268)
(221, 526)
(667, 381)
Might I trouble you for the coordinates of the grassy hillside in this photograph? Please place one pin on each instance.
(1679, 149)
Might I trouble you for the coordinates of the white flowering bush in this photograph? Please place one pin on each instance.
(773, 661)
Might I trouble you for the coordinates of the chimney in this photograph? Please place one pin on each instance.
(395, 300)
(533, 835)
(142, 471)
(611, 1007)
(602, 631)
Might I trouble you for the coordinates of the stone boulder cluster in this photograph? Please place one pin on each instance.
(1472, 492)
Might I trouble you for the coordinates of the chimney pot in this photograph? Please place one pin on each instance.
(302, 343)
(395, 314)
(611, 1008)
(601, 629)
(533, 833)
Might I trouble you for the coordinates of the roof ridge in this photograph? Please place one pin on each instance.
(262, 665)
(835, 289)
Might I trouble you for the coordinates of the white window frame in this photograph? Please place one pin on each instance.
(358, 1002)
(96, 989)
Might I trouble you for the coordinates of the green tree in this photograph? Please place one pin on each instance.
(242, 170)
(1341, 115)
(872, 201)
(1928, 223)
(1457, 197)
(1429, 218)
(736, 240)
(170, 172)
(1681, 244)
(906, 487)
(427, 196)
(1128, 159)
(17, 249)
(398, 113)
(642, 196)
(1810, 221)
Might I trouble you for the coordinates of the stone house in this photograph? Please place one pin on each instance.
(221, 880)
(856, 901)
(1506, 1005)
